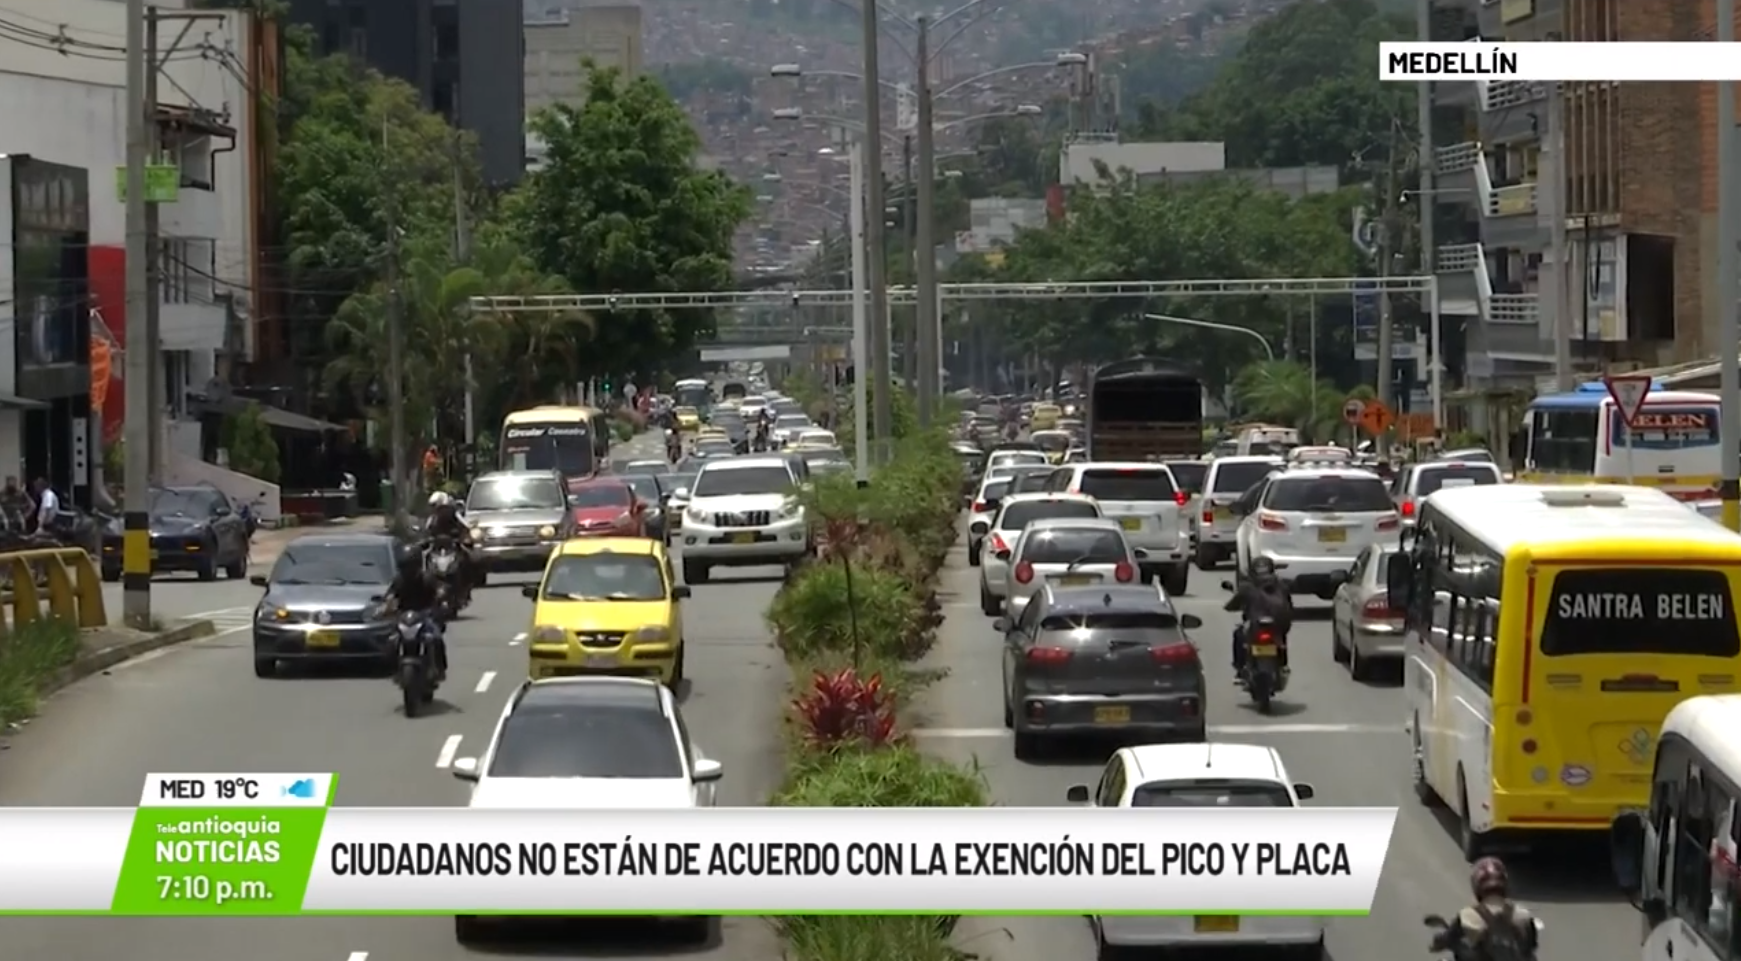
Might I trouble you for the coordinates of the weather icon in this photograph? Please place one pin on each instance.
(301, 789)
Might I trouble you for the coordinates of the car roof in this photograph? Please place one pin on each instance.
(1314, 471)
(609, 691)
(751, 460)
(514, 475)
(1122, 465)
(344, 540)
(1237, 459)
(1053, 523)
(600, 480)
(1452, 464)
(1124, 598)
(583, 546)
(1213, 759)
(1046, 496)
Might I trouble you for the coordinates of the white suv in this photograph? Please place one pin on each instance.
(599, 743)
(1148, 503)
(1215, 524)
(1313, 522)
(1212, 776)
(742, 512)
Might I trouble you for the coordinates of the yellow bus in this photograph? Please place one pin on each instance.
(572, 440)
(1548, 631)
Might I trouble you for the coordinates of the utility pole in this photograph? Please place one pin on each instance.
(925, 246)
(873, 222)
(462, 253)
(1729, 280)
(1386, 254)
(135, 520)
(1553, 175)
(395, 357)
(1428, 203)
(153, 258)
(909, 231)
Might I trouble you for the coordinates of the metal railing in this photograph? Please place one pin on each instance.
(1513, 201)
(1505, 94)
(1514, 309)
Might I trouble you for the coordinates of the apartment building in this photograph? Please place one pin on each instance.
(464, 56)
(562, 34)
(1637, 197)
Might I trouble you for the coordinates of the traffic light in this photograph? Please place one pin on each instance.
(605, 385)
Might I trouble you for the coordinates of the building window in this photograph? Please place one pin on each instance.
(446, 102)
(446, 24)
(357, 38)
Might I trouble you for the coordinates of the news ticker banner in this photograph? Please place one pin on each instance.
(1547, 61)
(243, 845)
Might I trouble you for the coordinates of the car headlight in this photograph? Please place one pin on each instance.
(378, 612)
(653, 632)
(272, 612)
(548, 635)
(697, 515)
(547, 531)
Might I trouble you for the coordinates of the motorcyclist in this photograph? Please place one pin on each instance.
(1263, 594)
(764, 422)
(673, 445)
(1494, 928)
(413, 589)
(446, 520)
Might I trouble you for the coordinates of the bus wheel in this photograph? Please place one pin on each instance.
(1473, 843)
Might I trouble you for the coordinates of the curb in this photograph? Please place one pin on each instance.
(101, 660)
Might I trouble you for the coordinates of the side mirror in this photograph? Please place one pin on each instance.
(258, 580)
(529, 591)
(1399, 581)
(1340, 578)
(1626, 852)
(1228, 586)
(466, 769)
(707, 771)
(681, 493)
(681, 592)
(1077, 794)
(1140, 554)
(222, 511)
(1190, 622)
(1305, 792)
(979, 528)
(1001, 625)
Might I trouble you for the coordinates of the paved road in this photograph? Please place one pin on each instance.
(1344, 738)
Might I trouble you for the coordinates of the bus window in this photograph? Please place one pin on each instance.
(1683, 611)
(1564, 441)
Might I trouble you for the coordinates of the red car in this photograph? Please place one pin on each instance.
(606, 508)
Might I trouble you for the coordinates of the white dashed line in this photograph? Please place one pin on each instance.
(449, 748)
(358, 956)
(983, 733)
(519, 639)
(484, 682)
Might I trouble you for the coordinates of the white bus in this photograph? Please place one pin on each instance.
(1677, 861)
(1580, 438)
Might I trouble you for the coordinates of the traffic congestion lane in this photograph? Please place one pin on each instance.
(198, 707)
(1345, 738)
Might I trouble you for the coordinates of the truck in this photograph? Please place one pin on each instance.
(1144, 409)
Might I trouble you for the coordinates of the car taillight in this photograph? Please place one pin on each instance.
(1174, 653)
(998, 545)
(979, 507)
(1389, 522)
(1181, 498)
(1377, 606)
(1123, 573)
(1208, 515)
(1024, 572)
(1048, 656)
(1263, 637)
(1271, 522)
(1408, 508)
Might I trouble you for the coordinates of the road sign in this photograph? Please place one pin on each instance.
(1352, 410)
(1628, 392)
(1376, 418)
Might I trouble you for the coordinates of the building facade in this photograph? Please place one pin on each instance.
(465, 57)
(565, 33)
(209, 265)
(1635, 194)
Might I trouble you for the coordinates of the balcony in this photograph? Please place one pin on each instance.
(1511, 219)
(1461, 268)
(1455, 168)
(1515, 310)
(1512, 110)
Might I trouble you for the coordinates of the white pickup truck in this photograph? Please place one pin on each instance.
(1149, 504)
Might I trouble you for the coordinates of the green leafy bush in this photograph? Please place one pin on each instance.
(835, 937)
(29, 657)
(251, 447)
(895, 775)
(811, 612)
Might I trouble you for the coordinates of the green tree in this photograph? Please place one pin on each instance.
(621, 205)
(250, 445)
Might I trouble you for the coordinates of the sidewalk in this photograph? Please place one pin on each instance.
(268, 543)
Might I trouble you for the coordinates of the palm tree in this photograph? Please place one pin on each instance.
(1284, 392)
(534, 353)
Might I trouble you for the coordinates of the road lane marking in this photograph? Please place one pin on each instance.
(449, 748)
(484, 682)
(519, 639)
(358, 956)
(982, 733)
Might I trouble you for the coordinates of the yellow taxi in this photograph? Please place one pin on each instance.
(708, 430)
(607, 605)
(688, 418)
(1045, 417)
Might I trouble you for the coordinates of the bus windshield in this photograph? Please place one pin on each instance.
(693, 394)
(563, 447)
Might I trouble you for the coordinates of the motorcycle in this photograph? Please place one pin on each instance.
(442, 559)
(673, 446)
(416, 672)
(1264, 676)
(1445, 940)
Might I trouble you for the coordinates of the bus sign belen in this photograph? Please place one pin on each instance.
(1629, 392)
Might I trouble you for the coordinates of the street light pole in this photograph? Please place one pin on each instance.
(875, 255)
(925, 246)
(1729, 279)
(860, 415)
(140, 422)
(1269, 352)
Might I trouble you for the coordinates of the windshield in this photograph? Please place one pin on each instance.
(646, 487)
(605, 576)
(742, 480)
(334, 564)
(1074, 546)
(1127, 484)
(792, 420)
(1238, 478)
(186, 503)
(675, 482)
(1211, 793)
(563, 447)
(994, 492)
(600, 495)
(586, 740)
(1017, 516)
(1347, 495)
(1112, 621)
(646, 467)
(1029, 482)
(1012, 458)
(1054, 443)
(1430, 479)
(1189, 474)
(714, 447)
(514, 494)
(1678, 611)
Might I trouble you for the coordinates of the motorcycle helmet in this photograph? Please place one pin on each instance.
(1488, 878)
(440, 499)
(1262, 567)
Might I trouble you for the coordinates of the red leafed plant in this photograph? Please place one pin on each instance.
(842, 708)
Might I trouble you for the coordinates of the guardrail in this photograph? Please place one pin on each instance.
(51, 582)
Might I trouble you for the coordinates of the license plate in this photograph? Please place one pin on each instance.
(1216, 924)
(1332, 535)
(1263, 650)
(1075, 581)
(1131, 523)
(600, 661)
(1112, 715)
(323, 639)
(746, 538)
